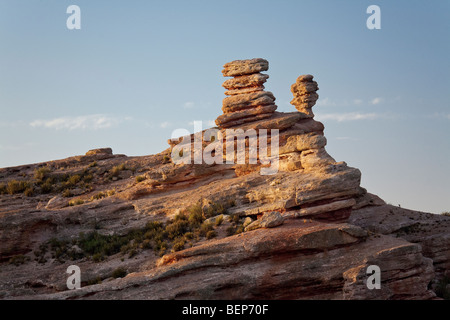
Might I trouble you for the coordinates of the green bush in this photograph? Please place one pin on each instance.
(119, 273)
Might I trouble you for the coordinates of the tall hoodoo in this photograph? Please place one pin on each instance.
(247, 101)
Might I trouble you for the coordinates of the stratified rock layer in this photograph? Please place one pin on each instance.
(246, 92)
(305, 96)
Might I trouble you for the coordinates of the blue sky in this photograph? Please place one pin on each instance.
(137, 70)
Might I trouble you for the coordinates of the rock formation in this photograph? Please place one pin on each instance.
(305, 96)
(247, 99)
(137, 226)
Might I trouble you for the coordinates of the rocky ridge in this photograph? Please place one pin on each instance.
(310, 231)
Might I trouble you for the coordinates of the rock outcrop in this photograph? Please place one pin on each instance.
(247, 99)
(305, 96)
(216, 230)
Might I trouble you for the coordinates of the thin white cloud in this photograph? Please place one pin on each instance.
(347, 138)
(326, 102)
(90, 122)
(188, 105)
(350, 116)
(165, 124)
(376, 101)
(205, 124)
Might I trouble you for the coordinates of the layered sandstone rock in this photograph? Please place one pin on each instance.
(247, 99)
(305, 96)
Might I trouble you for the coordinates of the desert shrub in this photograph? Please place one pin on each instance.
(96, 280)
(105, 245)
(211, 234)
(47, 186)
(177, 228)
(111, 192)
(88, 177)
(40, 174)
(205, 228)
(93, 164)
(76, 202)
(98, 196)
(146, 244)
(161, 247)
(73, 180)
(140, 179)
(15, 186)
(18, 260)
(446, 213)
(29, 192)
(115, 171)
(189, 235)
(3, 188)
(119, 273)
(195, 216)
(178, 245)
(67, 193)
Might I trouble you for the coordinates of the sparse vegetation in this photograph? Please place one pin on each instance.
(15, 186)
(119, 273)
(140, 179)
(446, 213)
(115, 171)
(186, 227)
(18, 260)
(76, 202)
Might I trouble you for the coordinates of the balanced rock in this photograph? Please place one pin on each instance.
(247, 101)
(305, 96)
(241, 67)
